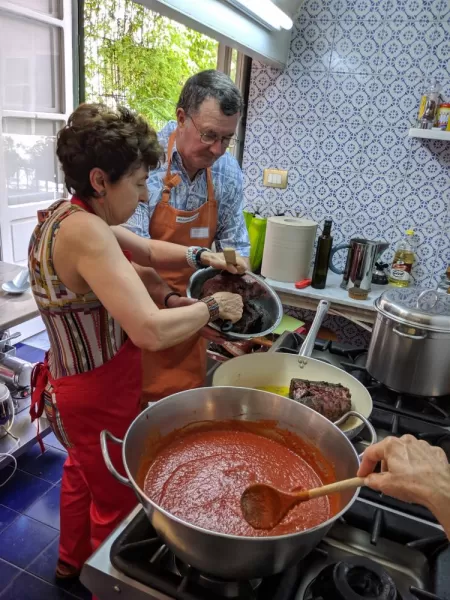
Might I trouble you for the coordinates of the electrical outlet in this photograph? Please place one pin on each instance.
(275, 178)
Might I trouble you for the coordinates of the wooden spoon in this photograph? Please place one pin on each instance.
(263, 506)
(230, 256)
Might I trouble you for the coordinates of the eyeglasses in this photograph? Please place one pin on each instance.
(211, 138)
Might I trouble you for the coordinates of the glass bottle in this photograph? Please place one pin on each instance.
(324, 243)
(429, 105)
(400, 273)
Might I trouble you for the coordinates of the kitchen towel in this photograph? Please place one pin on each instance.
(288, 248)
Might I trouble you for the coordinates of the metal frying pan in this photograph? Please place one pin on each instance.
(277, 369)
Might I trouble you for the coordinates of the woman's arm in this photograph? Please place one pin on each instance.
(97, 258)
(157, 254)
(155, 285)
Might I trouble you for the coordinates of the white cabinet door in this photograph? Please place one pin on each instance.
(36, 97)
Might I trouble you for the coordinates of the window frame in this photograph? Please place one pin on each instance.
(64, 23)
(243, 70)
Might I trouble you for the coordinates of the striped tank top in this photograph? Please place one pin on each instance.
(82, 334)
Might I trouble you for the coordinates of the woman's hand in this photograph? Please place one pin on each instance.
(412, 471)
(231, 306)
(217, 260)
(207, 332)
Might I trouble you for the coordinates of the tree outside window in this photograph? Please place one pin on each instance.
(138, 58)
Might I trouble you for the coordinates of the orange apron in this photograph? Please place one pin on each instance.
(184, 366)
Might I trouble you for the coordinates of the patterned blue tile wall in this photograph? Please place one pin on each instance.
(338, 117)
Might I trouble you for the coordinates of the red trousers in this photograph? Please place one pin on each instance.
(93, 503)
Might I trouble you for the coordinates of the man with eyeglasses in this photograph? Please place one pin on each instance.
(195, 199)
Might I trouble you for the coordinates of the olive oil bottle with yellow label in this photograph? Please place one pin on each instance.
(400, 273)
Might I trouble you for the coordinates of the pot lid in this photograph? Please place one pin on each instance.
(417, 307)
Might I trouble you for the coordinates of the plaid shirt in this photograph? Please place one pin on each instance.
(190, 195)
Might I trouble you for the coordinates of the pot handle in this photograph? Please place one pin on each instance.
(307, 347)
(105, 435)
(426, 293)
(332, 253)
(367, 423)
(409, 336)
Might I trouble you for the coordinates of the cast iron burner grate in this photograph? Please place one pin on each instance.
(414, 553)
(141, 555)
(433, 410)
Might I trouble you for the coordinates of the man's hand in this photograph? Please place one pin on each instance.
(207, 332)
(412, 471)
(217, 260)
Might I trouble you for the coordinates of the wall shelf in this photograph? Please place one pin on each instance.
(430, 134)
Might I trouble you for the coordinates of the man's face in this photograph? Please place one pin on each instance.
(210, 121)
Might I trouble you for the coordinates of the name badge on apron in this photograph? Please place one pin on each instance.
(199, 232)
(181, 219)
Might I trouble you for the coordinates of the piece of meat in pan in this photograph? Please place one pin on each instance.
(332, 400)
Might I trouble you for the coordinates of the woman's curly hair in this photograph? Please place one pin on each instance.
(116, 141)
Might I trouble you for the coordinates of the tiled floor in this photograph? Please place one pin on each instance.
(29, 518)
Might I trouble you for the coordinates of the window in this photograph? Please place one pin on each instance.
(137, 57)
(36, 93)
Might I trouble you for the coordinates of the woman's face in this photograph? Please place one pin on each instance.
(122, 197)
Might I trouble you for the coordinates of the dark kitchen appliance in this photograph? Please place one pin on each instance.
(379, 540)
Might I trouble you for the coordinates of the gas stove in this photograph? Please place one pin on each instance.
(353, 360)
(383, 548)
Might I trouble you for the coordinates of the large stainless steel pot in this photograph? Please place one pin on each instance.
(410, 347)
(220, 555)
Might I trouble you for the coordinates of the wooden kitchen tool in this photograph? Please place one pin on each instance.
(230, 256)
(263, 506)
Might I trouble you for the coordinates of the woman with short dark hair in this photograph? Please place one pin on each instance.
(100, 310)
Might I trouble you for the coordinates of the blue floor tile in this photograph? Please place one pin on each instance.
(46, 508)
(28, 587)
(21, 490)
(7, 572)
(44, 567)
(46, 466)
(24, 540)
(7, 516)
(52, 440)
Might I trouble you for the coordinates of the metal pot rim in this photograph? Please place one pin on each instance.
(413, 316)
(247, 539)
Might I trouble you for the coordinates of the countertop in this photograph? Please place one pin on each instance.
(332, 292)
(14, 309)
(309, 297)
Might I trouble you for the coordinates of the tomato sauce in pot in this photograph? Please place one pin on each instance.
(199, 473)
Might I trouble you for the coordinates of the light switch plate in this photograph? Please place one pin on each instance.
(275, 178)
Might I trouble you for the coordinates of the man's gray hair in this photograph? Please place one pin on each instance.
(210, 84)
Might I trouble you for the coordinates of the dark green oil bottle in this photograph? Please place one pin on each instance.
(324, 243)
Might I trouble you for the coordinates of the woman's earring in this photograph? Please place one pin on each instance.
(102, 193)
